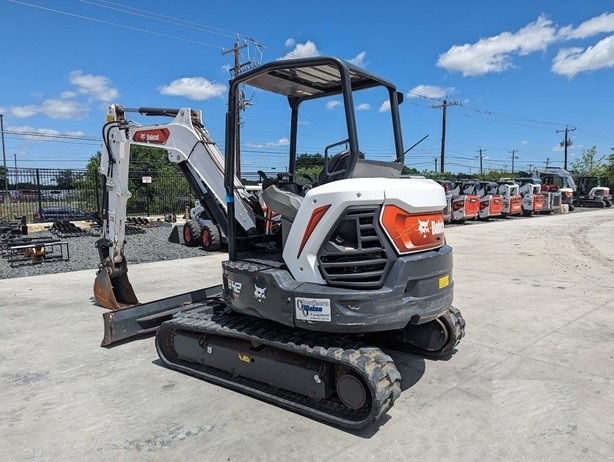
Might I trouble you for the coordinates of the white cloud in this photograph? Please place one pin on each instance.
(290, 43)
(196, 88)
(385, 107)
(95, 86)
(21, 112)
(363, 107)
(597, 25)
(494, 54)
(302, 50)
(430, 91)
(55, 108)
(359, 59)
(572, 61)
(74, 103)
(330, 105)
(283, 141)
(62, 109)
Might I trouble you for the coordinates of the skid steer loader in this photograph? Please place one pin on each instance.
(357, 259)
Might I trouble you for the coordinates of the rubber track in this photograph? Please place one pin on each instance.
(369, 362)
(452, 319)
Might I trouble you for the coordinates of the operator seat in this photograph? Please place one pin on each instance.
(337, 166)
(364, 168)
(285, 203)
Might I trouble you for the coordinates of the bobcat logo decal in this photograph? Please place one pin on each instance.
(423, 227)
(259, 293)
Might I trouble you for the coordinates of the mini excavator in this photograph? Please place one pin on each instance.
(356, 260)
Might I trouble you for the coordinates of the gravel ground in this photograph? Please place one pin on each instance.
(151, 246)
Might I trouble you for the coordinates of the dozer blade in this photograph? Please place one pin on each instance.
(143, 319)
(114, 294)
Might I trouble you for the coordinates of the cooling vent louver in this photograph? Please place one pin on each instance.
(356, 254)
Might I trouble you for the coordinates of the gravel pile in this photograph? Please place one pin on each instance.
(153, 245)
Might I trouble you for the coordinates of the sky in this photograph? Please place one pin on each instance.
(515, 76)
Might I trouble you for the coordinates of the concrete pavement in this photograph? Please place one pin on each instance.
(532, 379)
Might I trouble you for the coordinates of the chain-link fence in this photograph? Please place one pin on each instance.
(38, 193)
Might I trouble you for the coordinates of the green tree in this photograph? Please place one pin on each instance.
(4, 177)
(65, 179)
(589, 163)
(308, 167)
(168, 189)
(609, 167)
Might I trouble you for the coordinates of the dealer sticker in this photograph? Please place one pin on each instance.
(312, 309)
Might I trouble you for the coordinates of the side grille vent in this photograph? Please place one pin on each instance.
(356, 254)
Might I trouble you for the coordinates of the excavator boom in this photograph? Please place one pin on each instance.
(190, 146)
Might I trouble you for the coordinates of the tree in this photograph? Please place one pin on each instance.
(309, 166)
(65, 179)
(4, 177)
(168, 188)
(589, 164)
(609, 168)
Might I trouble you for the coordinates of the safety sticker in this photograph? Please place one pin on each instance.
(313, 309)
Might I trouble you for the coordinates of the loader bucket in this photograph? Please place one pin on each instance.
(114, 294)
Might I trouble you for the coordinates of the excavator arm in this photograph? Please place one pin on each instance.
(112, 289)
(189, 145)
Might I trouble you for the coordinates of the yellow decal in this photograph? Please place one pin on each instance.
(444, 281)
(245, 358)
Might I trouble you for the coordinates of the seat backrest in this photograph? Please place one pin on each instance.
(337, 166)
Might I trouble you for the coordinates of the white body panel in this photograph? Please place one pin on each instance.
(116, 174)
(192, 144)
(413, 195)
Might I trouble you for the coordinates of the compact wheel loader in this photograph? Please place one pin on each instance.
(356, 260)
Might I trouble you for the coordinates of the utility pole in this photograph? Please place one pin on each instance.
(481, 157)
(435, 164)
(6, 173)
(445, 105)
(235, 72)
(514, 156)
(566, 142)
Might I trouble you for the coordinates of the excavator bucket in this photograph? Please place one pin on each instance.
(116, 293)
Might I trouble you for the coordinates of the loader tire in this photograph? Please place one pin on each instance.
(210, 239)
(191, 233)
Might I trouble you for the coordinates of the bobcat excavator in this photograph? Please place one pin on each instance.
(353, 265)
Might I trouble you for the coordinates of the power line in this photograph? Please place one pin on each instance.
(114, 24)
(160, 17)
(52, 135)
